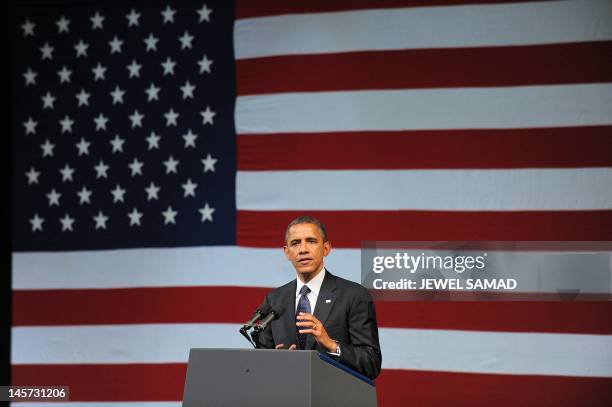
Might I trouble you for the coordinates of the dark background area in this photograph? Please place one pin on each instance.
(5, 254)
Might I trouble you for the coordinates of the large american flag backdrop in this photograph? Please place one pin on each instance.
(159, 150)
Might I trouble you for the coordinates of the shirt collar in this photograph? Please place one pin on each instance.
(314, 284)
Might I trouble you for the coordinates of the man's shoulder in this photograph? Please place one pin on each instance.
(282, 290)
(350, 288)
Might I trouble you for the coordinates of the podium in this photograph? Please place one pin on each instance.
(269, 377)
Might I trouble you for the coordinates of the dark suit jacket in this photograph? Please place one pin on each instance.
(349, 318)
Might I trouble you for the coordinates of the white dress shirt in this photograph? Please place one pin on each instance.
(315, 287)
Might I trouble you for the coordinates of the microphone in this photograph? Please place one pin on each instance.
(262, 311)
(272, 315)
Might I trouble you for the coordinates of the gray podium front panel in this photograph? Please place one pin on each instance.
(263, 377)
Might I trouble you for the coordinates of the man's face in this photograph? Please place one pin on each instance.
(305, 248)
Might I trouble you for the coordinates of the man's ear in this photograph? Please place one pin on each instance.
(326, 248)
(286, 250)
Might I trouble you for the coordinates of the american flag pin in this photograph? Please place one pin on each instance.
(327, 301)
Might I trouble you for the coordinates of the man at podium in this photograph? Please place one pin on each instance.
(319, 310)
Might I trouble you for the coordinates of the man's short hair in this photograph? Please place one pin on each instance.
(307, 219)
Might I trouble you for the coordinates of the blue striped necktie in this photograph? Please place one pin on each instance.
(303, 306)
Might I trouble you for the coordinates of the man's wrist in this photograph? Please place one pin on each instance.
(331, 346)
(335, 349)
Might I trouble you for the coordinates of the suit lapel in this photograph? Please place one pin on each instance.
(323, 307)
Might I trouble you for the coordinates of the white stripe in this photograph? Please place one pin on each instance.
(167, 267)
(455, 190)
(427, 27)
(494, 352)
(439, 350)
(242, 267)
(135, 343)
(423, 109)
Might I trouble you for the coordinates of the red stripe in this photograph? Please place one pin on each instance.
(164, 382)
(185, 305)
(438, 149)
(587, 62)
(350, 228)
(250, 9)
(135, 305)
(108, 382)
(422, 388)
(549, 317)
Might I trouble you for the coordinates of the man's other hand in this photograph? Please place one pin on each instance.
(282, 346)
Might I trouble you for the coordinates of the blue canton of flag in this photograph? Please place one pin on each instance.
(123, 132)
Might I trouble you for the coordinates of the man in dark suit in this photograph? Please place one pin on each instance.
(322, 311)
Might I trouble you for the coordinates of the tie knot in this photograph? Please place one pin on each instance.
(304, 290)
